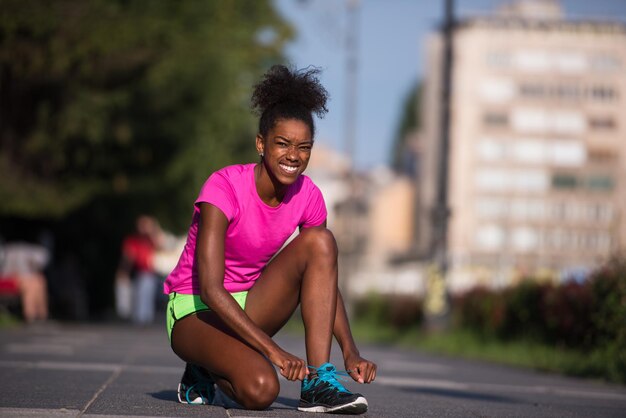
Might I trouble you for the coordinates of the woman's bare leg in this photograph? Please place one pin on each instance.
(304, 271)
(34, 297)
(243, 373)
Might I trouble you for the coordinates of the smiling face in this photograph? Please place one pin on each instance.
(287, 149)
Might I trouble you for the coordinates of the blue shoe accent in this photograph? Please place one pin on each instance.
(196, 386)
(324, 393)
(328, 373)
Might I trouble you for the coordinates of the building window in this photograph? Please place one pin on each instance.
(524, 239)
(527, 209)
(602, 123)
(530, 180)
(489, 208)
(500, 180)
(540, 120)
(567, 92)
(599, 213)
(602, 157)
(570, 62)
(532, 90)
(567, 153)
(529, 151)
(491, 179)
(497, 90)
(530, 120)
(495, 119)
(543, 60)
(604, 242)
(564, 181)
(568, 122)
(558, 211)
(605, 63)
(557, 238)
(490, 237)
(490, 150)
(574, 211)
(531, 61)
(600, 182)
(562, 153)
(603, 93)
(498, 59)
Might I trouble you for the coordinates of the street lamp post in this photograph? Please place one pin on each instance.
(352, 229)
(437, 303)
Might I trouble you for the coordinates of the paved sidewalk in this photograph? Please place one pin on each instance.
(113, 370)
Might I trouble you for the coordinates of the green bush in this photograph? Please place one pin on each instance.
(397, 311)
(589, 317)
(405, 311)
(371, 309)
(567, 311)
(522, 311)
(608, 288)
(480, 310)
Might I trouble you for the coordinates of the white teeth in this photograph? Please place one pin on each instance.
(289, 169)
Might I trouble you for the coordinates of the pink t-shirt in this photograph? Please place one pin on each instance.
(255, 230)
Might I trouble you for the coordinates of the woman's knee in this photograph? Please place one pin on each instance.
(320, 241)
(259, 391)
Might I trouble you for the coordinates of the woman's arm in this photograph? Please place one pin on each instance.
(360, 369)
(210, 258)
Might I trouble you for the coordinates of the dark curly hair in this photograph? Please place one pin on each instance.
(285, 93)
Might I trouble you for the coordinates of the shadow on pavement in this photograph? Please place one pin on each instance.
(171, 395)
(462, 395)
(292, 403)
(165, 395)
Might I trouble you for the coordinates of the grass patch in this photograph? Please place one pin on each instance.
(469, 345)
(7, 320)
(473, 346)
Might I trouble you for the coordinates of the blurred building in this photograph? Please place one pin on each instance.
(385, 230)
(372, 216)
(537, 177)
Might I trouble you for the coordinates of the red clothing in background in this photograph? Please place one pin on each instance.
(139, 250)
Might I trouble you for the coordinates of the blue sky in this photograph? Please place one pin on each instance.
(391, 38)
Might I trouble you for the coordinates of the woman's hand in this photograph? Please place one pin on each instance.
(290, 366)
(360, 369)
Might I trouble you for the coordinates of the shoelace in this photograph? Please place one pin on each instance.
(201, 386)
(328, 373)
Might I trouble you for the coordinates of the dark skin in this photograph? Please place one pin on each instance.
(234, 345)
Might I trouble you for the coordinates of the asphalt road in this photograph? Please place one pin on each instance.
(61, 370)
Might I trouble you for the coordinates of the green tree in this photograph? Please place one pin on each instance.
(109, 108)
(140, 98)
(408, 123)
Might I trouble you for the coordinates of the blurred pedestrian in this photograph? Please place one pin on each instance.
(233, 287)
(25, 262)
(136, 280)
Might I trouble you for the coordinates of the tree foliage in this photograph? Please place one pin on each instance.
(136, 99)
(408, 123)
(111, 108)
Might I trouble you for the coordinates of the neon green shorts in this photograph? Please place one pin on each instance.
(181, 305)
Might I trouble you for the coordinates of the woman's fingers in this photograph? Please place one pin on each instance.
(290, 366)
(293, 369)
(359, 373)
(363, 371)
(370, 373)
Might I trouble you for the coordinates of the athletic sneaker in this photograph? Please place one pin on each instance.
(324, 393)
(196, 386)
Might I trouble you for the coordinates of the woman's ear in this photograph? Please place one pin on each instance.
(260, 146)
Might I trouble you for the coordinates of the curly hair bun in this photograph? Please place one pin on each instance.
(282, 86)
